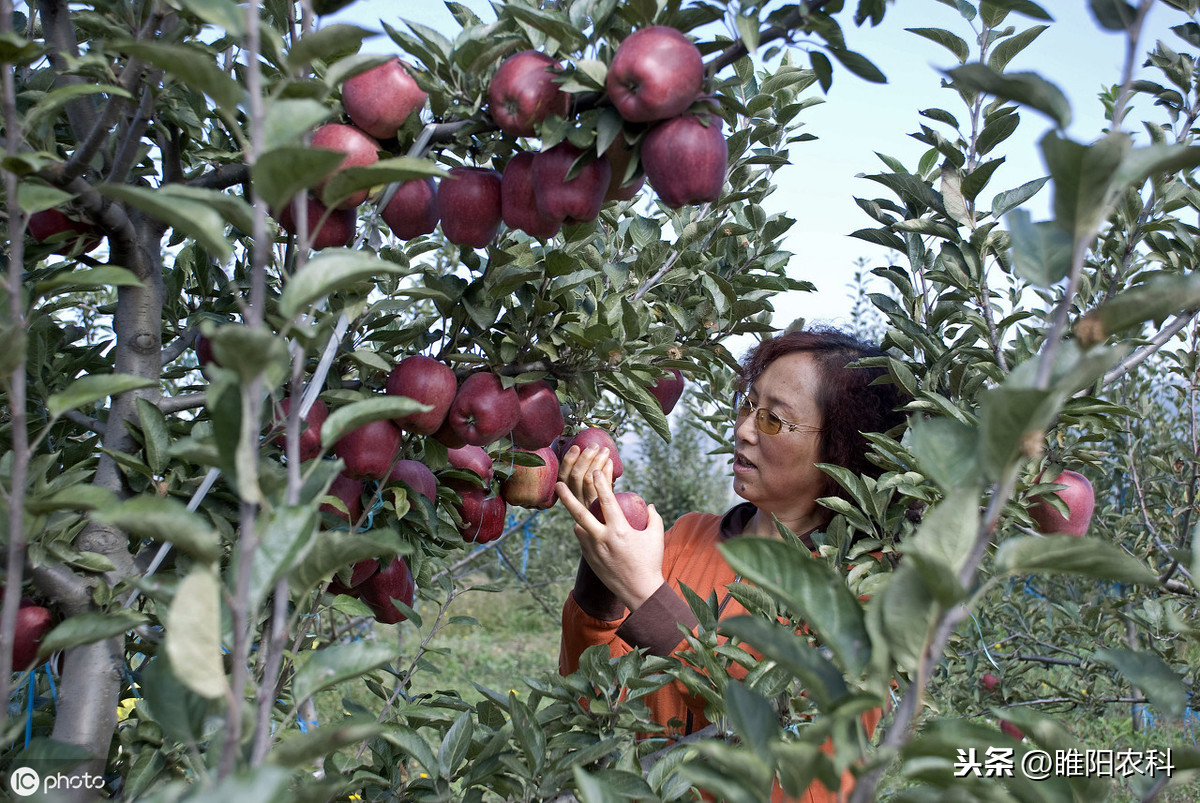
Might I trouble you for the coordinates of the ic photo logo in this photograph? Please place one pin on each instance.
(24, 781)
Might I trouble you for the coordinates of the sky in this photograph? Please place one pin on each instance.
(859, 119)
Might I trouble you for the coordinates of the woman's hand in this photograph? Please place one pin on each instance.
(626, 560)
(577, 467)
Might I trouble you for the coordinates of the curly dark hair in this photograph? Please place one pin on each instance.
(849, 398)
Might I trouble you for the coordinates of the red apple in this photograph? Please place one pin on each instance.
(349, 491)
(599, 437)
(482, 516)
(685, 159)
(571, 200)
(656, 73)
(632, 505)
(393, 582)
(518, 199)
(370, 450)
(472, 458)
(360, 149)
(532, 486)
(469, 200)
(379, 100)
(415, 475)
(989, 681)
(541, 418)
(484, 410)
(33, 623)
(324, 230)
(413, 210)
(310, 427)
(448, 437)
(51, 222)
(668, 390)
(425, 380)
(204, 354)
(620, 154)
(1012, 730)
(360, 572)
(523, 93)
(1080, 500)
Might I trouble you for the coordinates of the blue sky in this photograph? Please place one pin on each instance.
(859, 119)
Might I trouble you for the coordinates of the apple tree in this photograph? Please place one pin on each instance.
(213, 271)
(222, 250)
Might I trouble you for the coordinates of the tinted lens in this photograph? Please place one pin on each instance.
(768, 423)
(742, 405)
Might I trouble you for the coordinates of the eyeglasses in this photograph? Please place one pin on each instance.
(767, 422)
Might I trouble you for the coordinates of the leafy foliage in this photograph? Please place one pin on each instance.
(191, 555)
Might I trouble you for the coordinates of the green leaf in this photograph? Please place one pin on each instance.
(1041, 252)
(955, 44)
(286, 120)
(822, 680)
(336, 549)
(1026, 88)
(193, 639)
(1083, 175)
(337, 663)
(93, 388)
(88, 628)
(325, 43)
(947, 451)
(346, 182)
(249, 351)
(283, 541)
(413, 745)
(304, 748)
(858, 64)
(283, 172)
(1155, 300)
(155, 435)
(748, 31)
(1113, 15)
(752, 716)
(165, 519)
(1066, 554)
(225, 15)
(262, 785)
(177, 709)
(195, 66)
(1007, 416)
(54, 100)
(1010, 199)
(812, 590)
(944, 542)
(453, 749)
(1007, 49)
(1026, 7)
(380, 408)
(87, 279)
(1150, 673)
(183, 211)
(528, 732)
(328, 272)
(901, 616)
(34, 197)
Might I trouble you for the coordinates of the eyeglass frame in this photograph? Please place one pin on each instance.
(741, 401)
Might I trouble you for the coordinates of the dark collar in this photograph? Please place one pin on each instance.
(737, 518)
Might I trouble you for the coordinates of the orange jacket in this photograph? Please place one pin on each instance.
(592, 615)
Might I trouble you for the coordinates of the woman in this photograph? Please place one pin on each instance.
(799, 404)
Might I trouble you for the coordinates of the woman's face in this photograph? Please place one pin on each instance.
(776, 472)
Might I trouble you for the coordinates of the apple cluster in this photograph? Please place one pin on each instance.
(655, 78)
